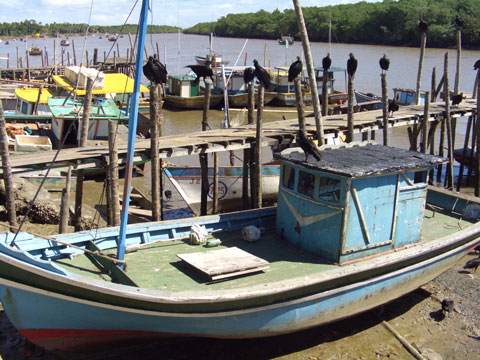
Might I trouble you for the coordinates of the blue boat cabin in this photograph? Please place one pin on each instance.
(355, 202)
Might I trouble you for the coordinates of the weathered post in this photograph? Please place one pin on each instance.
(55, 57)
(325, 93)
(433, 84)
(350, 108)
(155, 112)
(203, 156)
(7, 173)
(28, 67)
(215, 183)
(464, 152)
(41, 56)
(423, 41)
(65, 203)
(74, 53)
(258, 149)
(247, 155)
(384, 108)
(300, 106)
(446, 91)
(311, 72)
(477, 167)
(113, 202)
(459, 54)
(426, 115)
(95, 56)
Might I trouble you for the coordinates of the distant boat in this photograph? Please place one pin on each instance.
(64, 42)
(334, 96)
(183, 92)
(373, 101)
(112, 37)
(407, 96)
(34, 51)
(286, 39)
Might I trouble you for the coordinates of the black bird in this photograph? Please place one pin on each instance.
(457, 99)
(168, 194)
(477, 249)
(202, 71)
(459, 22)
(472, 264)
(307, 145)
(248, 75)
(384, 63)
(295, 69)
(326, 62)
(476, 66)
(392, 106)
(155, 71)
(447, 305)
(351, 65)
(262, 75)
(422, 25)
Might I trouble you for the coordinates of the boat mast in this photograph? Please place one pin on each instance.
(132, 129)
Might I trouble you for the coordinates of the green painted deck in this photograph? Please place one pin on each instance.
(73, 109)
(156, 265)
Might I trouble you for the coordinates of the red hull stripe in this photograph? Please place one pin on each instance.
(58, 339)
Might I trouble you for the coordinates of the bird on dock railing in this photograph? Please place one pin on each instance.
(457, 99)
(326, 62)
(351, 65)
(155, 71)
(308, 147)
(202, 71)
(248, 75)
(472, 264)
(459, 22)
(422, 25)
(392, 106)
(476, 66)
(384, 63)
(262, 75)
(295, 69)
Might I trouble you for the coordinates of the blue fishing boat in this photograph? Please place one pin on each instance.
(407, 96)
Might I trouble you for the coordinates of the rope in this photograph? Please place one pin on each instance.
(98, 253)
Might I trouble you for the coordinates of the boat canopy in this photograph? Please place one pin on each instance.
(31, 95)
(113, 84)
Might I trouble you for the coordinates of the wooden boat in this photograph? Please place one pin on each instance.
(334, 96)
(469, 160)
(64, 42)
(285, 39)
(374, 101)
(285, 89)
(184, 93)
(29, 103)
(34, 51)
(407, 96)
(187, 181)
(373, 248)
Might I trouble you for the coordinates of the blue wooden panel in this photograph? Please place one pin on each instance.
(410, 211)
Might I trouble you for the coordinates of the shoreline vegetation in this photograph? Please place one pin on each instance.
(390, 22)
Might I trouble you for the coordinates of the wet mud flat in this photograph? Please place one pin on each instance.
(417, 317)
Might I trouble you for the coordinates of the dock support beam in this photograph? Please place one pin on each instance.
(258, 149)
(156, 132)
(384, 108)
(203, 157)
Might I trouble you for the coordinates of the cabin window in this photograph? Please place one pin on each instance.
(288, 177)
(329, 189)
(25, 108)
(420, 177)
(306, 183)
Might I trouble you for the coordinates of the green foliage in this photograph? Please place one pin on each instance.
(31, 27)
(389, 22)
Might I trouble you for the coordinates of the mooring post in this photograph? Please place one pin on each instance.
(423, 41)
(477, 167)
(325, 93)
(433, 84)
(258, 149)
(203, 156)
(431, 141)
(311, 72)
(300, 106)
(247, 158)
(475, 86)
(114, 202)
(350, 109)
(86, 57)
(464, 152)
(459, 54)
(28, 66)
(41, 56)
(384, 108)
(450, 140)
(54, 57)
(426, 116)
(74, 53)
(215, 183)
(155, 133)
(95, 56)
(65, 203)
(7, 173)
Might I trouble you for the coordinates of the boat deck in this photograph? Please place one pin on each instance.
(156, 265)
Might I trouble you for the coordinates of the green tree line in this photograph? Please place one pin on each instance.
(389, 22)
(31, 27)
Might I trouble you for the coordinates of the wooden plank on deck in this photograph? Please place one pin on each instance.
(225, 263)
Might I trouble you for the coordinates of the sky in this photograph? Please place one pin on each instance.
(183, 13)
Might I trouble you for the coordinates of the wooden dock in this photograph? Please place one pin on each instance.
(274, 133)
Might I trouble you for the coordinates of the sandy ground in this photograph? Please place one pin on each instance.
(416, 316)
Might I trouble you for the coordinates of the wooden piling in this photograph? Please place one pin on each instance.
(95, 56)
(41, 56)
(426, 115)
(28, 66)
(215, 183)
(311, 72)
(446, 93)
(350, 109)
(65, 203)
(203, 156)
(258, 149)
(112, 190)
(86, 57)
(477, 167)
(155, 133)
(433, 85)
(459, 54)
(384, 108)
(248, 161)
(464, 152)
(300, 105)
(420, 66)
(325, 93)
(7, 173)
(18, 63)
(74, 53)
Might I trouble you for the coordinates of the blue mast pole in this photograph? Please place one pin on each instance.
(132, 130)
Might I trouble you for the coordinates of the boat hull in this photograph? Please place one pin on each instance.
(193, 102)
(30, 309)
(240, 100)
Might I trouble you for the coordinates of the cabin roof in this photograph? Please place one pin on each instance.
(31, 95)
(363, 159)
(331, 69)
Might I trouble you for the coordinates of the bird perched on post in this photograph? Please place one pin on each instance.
(248, 75)
(202, 71)
(262, 75)
(459, 22)
(351, 65)
(155, 71)
(384, 63)
(457, 99)
(392, 106)
(326, 62)
(307, 145)
(472, 264)
(476, 66)
(422, 25)
(295, 69)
